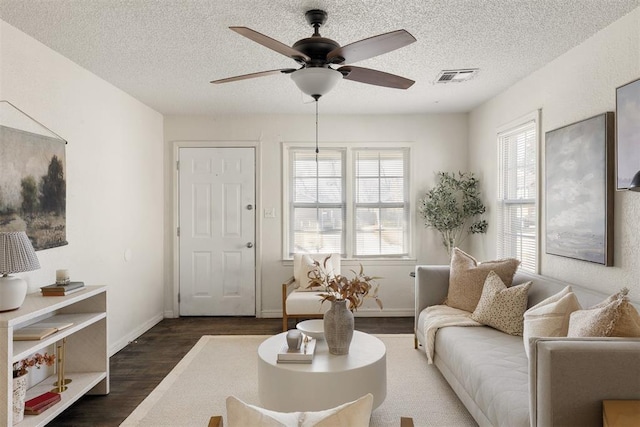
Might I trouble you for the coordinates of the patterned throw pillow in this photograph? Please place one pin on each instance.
(613, 317)
(352, 414)
(550, 318)
(500, 307)
(467, 276)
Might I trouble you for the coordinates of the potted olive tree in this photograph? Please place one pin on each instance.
(454, 208)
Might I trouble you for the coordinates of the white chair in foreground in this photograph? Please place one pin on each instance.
(351, 414)
(298, 301)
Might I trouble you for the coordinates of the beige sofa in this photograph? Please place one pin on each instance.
(564, 381)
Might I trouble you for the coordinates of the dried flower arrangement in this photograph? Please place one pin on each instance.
(338, 287)
(21, 368)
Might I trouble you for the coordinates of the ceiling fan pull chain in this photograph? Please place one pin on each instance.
(317, 150)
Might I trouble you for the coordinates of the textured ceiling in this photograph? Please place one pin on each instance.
(165, 52)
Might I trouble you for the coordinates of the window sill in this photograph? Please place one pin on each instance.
(392, 262)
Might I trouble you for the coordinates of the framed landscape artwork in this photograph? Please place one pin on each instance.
(628, 133)
(579, 172)
(32, 179)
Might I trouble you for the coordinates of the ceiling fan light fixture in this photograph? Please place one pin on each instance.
(316, 81)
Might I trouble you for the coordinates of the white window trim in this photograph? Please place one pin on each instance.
(349, 177)
(513, 125)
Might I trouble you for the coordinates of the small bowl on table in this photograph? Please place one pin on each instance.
(313, 328)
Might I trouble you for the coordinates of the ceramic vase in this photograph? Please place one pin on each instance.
(338, 327)
(19, 393)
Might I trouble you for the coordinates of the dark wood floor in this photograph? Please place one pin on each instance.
(138, 368)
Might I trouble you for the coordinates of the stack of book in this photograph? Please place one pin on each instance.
(304, 354)
(41, 403)
(58, 290)
(40, 330)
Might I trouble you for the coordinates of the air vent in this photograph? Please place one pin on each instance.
(456, 76)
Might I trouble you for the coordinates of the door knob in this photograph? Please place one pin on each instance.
(249, 245)
(249, 207)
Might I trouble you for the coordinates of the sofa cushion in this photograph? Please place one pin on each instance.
(356, 414)
(306, 303)
(501, 307)
(550, 317)
(467, 277)
(613, 317)
(490, 367)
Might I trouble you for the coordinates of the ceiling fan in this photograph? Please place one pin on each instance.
(317, 55)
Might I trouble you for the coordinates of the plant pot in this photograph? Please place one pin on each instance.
(19, 393)
(338, 327)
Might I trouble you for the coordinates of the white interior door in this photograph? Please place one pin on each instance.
(217, 231)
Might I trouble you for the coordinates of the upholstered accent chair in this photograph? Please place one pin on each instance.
(298, 301)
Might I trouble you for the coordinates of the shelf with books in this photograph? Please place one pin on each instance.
(85, 341)
(82, 383)
(22, 349)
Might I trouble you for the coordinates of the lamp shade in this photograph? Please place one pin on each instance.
(16, 253)
(635, 182)
(316, 81)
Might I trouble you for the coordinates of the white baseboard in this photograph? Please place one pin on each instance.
(124, 341)
(399, 312)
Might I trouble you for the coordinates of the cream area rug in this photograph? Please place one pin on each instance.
(219, 366)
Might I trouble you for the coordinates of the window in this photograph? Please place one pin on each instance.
(317, 201)
(381, 202)
(352, 200)
(517, 192)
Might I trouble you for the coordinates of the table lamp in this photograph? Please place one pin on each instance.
(16, 256)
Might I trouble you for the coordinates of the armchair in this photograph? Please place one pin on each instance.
(299, 302)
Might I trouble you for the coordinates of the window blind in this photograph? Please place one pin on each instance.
(317, 201)
(517, 194)
(381, 202)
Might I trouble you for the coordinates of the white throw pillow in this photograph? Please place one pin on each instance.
(550, 318)
(352, 414)
(304, 263)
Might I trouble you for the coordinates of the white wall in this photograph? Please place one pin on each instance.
(577, 85)
(114, 180)
(439, 143)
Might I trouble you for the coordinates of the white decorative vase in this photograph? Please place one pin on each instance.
(12, 292)
(19, 393)
(338, 327)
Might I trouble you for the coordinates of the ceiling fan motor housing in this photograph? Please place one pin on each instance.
(316, 48)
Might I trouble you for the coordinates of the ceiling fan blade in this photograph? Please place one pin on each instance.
(253, 75)
(375, 77)
(272, 44)
(370, 47)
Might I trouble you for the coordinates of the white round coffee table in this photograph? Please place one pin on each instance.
(328, 381)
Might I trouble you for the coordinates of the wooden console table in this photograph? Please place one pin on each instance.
(86, 359)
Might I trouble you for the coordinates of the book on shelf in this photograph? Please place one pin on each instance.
(41, 403)
(62, 288)
(40, 330)
(49, 293)
(304, 354)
